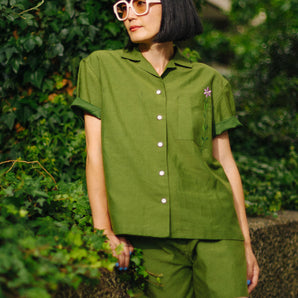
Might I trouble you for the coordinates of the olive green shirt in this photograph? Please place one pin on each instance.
(161, 177)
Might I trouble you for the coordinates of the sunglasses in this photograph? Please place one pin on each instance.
(138, 7)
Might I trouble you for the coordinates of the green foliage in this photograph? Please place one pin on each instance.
(39, 57)
(47, 239)
(266, 76)
(214, 45)
(44, 131)
(51, 39)
(270, 184)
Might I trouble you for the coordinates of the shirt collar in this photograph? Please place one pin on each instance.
(178, 60)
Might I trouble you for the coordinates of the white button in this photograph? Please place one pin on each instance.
(161, 173)
(160, 144)
(158, 92)
(163, 200)
(159, 117)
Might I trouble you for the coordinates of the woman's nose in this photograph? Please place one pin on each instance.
(131, 15)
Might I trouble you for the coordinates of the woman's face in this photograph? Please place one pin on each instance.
(143, 29)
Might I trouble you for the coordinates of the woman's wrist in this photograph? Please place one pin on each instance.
(247, 244)
(106, 231)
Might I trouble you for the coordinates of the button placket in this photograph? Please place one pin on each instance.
(161, 143)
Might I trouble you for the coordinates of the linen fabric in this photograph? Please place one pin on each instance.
(161, 177)
(189, 268)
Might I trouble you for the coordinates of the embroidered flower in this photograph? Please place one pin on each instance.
(207, 92)
(204, 138)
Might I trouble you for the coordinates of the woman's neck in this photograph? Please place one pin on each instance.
(158, 54)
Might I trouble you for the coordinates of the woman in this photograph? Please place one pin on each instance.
(160, 172)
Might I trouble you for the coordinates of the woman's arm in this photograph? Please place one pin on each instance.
(97, 189)
(222, 152)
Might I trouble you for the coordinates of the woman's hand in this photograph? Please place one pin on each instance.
(252, 268)
(124, 256)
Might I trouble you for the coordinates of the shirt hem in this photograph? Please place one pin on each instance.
(181, 235)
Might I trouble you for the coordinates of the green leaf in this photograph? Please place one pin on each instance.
(136, 260)
(9, 120)
(78, 253)
(15, 64)
(29, 44)
(113, 28)
(83, 19)
(9, 51)
(69, 7)
(35, 78)
(35, 292)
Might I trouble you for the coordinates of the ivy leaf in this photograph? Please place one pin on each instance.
(56, 50)
(9, 120)
(83, 19)
(15, 64)
(35, 77)
(113, 28)
(29, 44)
(9, 51)
(69, 7)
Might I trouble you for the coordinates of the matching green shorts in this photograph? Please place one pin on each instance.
(194, 268)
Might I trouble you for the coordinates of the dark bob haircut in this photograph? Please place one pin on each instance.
(179, 22)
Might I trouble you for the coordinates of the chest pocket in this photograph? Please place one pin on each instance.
(194, 118)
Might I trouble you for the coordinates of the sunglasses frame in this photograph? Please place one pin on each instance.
(129, 6)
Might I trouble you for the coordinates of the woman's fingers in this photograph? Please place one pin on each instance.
(254, 276)
(124, 255)
(252, 270)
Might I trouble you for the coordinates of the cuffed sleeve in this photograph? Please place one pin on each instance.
(80, 106)
(224, 111)
(89, 90)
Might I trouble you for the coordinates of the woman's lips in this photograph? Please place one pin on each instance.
(134, 28)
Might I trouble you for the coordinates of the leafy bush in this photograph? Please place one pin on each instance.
(46, 130)
(270, 184)
(266, 75)
(266, 83)
(40, 55)
(47, 239)
(51, 39)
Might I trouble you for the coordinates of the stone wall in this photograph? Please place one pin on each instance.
(275, 245)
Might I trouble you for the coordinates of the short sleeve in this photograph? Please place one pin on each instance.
(224, 111)
(88, 92)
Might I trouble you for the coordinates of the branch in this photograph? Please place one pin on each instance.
(26, 162)
(32, 8)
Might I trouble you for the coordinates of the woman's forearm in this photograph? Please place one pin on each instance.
(95, 175)
(233, 176)
(222, 152)
(97, 194)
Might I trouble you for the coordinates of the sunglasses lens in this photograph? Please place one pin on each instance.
(139, 6)
(122, 10)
